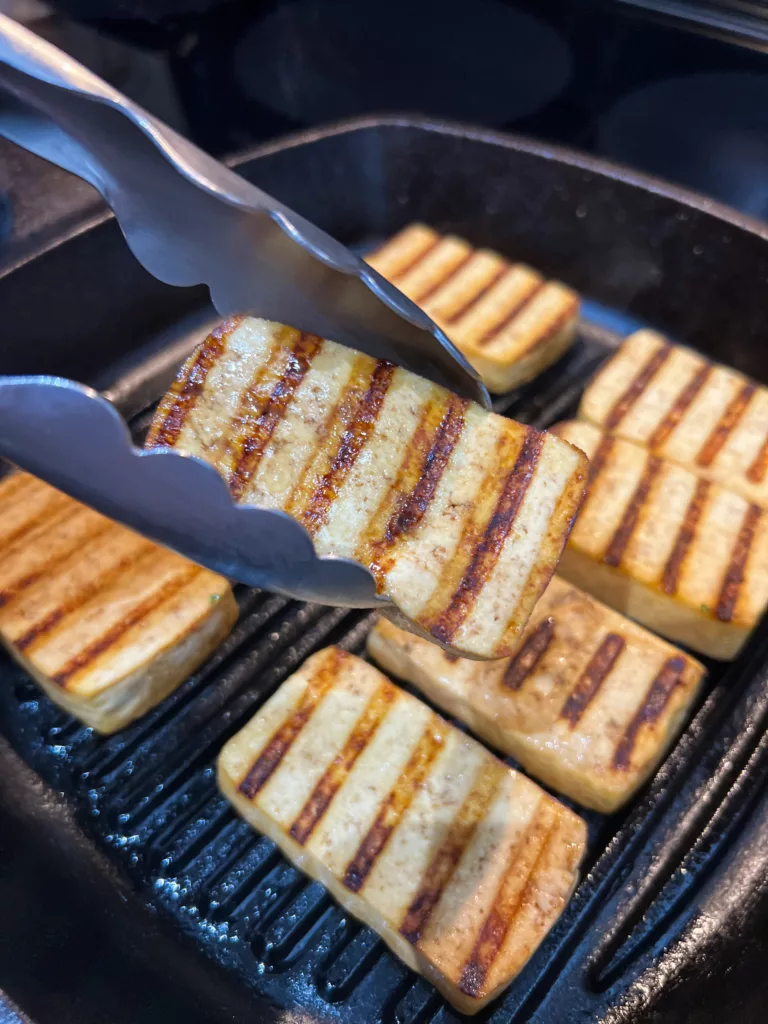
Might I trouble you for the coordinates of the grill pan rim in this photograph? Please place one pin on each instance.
(511, 143)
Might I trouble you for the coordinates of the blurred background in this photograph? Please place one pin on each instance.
(678, 88)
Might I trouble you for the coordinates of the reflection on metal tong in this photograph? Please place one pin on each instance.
(190, 220)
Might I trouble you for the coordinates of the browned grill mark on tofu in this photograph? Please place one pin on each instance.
(40, 629)
(62, 516)
(618, 543)
(670, 578)
(258, 416)
(733, 413)
(480, 294)
(281, 741)
(338, 419)
(42, 518)
(636, 387)
(88, 655)
(396, 803)
(757, 470)
(335, 775)
(412, 263)
(352, 441)
(592, 678)
(372, 546)
(58, 504)
(489, 546)
(734, 575)
(525, 300)
(510, 898)
(680, 406)
(433, 288)
(652, 708)
(556, 324)
(188, 386)
(448, 854)
(530, 654)
(425, 462)
(599, 459)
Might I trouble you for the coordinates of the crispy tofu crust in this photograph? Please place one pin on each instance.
(681, 554)
(588, 704)
(461, 864)
(509, 322)
(105, 621)
(687, 409)
(460, 514)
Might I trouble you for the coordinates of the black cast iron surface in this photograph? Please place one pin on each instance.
(128, 888)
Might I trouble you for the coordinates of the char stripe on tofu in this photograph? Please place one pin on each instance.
(509, 321)
(448, 854)
(105, 572)
(673, 567)
(722, 429)
(636, 386)
(588, 704)
(80, 662)
(592, 678)
(650, 711)
(258, 416)
(461, 515)
(685, 408)
(686, 556)
(460, 863)
(531, 651)
(486, 548)
(107, 622)
(188, 387)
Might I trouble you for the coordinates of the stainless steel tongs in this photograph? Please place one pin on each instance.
(190, 220)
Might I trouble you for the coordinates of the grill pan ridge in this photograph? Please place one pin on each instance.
(148, 797)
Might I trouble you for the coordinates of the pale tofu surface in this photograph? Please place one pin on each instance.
(588, 704)
(460, 514)
(108, 623)
(461, 864)
(686, 408)
(509, 321)
(675, 551)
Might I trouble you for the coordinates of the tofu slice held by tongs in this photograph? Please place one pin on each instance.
(190, 220)
(461, 864)
(461, 515)
(588, 704)
(107, 622)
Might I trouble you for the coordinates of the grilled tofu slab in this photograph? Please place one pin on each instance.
(460, 514)
(687, 409)
(679, 553)
(105, 621)
(461, 864)
(506, 318)
(588, 704)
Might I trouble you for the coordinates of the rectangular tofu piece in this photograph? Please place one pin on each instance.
(461, 864)
(687, 409)
(679, 553)
(460, 514)
(106, 622)
(509, 321)
(589, 703)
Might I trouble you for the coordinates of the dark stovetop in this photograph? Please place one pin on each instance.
(607, 77)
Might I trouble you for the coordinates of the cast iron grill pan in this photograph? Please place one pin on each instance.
(148, 794)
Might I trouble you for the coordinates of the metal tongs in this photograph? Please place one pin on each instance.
(190, 220)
